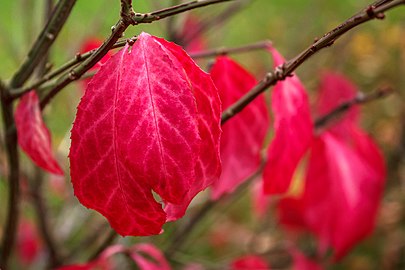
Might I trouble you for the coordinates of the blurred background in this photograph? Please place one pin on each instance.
(371, 55)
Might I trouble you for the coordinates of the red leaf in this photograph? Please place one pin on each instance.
(334, 90)
(208, 167)
(293, 131)
(260, 201)
(28, 242)
(249, 262)
(149, 121)
(196, 42)
(301, 262)
(33, 136)
(343, 192)
(159, 263)
(243, 136)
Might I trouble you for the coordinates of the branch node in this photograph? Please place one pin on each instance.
(72, 75)
(78, 56)
(372, 14)
(131, 41)
(50, 36)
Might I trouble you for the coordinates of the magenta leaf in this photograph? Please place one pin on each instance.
(208, 166)
(249, 262)
(335, 89)
(293, 131)
(149, 121)
(302, 262)
(344, 180)
(196, 42)
(28, 243)
(343, 192)
(243, 136)
(159, 261)
(33, 136)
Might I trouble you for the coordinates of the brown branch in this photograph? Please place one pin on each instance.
(13, 209)
(345, 106)
(181, 235)
(216, 22)
(45, 230)
(139, 18)
(74, 74)
(223, 51)
(41, 85)
(44, 41)
(112, 235)
(281, 72)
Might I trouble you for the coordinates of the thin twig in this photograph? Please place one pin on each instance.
(45, 230)
(107, 242)
(222, 51)
(13, 210)
(87, 240)
(286, 69)
(40, 84)
(36, 183)
(44, 41)
(139, 18)
(216, 22)
(180, 235)
(345, 106)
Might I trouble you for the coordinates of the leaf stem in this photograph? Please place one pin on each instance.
(44, 41)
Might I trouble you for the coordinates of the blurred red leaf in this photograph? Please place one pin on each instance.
(302, 262)
(249, 262)
(33, 135)
(195, 41)
(243, 136)
(334, 90)
(102, 262)
(344, 181)
(149, 120)
(28, 242)
(342, 193)
(293, 131)
(159, 261)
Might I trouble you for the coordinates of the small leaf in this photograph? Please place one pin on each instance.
(243, 136)
(293, 131)
(149, 121)
(33, 136)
